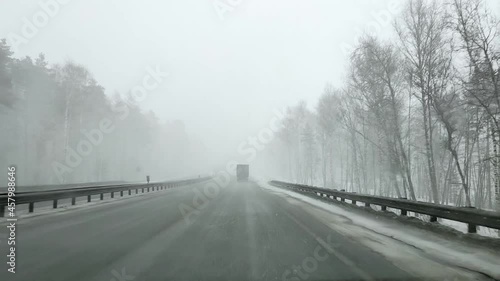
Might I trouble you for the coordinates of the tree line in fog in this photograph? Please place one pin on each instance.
(418, 116)
(59, 126)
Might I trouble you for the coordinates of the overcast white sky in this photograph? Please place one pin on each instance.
(226, 75)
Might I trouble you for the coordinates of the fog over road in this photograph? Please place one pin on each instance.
(245, 233)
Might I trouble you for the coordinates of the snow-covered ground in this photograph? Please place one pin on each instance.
(459, 226)
(412, 249)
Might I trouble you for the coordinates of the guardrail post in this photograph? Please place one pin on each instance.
(367, 204)
(121, 193)
(102, 196)
(403, 212)
(136, 191)
(434, 219)
(342, 199)
(2, 211)
(54, 204)
(89, 198)
(130, 192)
(143, 190)
(73, 201)
(148, 188)
(471, 228)
(353, 202)
(31, 207)
(112, 195)
(384, 208)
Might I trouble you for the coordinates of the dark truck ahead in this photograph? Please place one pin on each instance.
(242, 172)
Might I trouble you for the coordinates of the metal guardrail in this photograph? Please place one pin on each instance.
(471, 216)
(26, 188)
(32, 197)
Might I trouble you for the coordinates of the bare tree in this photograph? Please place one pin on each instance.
(328, 119)
(378, 76)
(422, 37)
(479, 34)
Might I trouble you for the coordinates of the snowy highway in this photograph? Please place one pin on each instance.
(246, 232)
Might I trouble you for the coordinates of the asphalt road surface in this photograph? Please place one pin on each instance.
(243, 233)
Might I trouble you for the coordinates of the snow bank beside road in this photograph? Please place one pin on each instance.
(400, 243)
